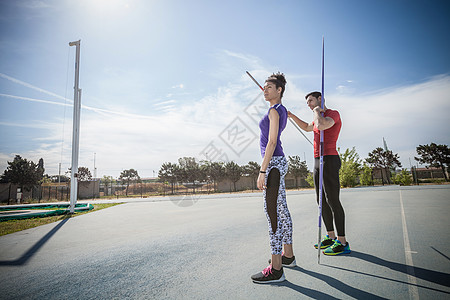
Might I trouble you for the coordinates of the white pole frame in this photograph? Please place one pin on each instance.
(76, 130)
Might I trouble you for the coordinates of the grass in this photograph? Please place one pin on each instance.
(12, 226)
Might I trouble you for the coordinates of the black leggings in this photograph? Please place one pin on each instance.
(331, 205)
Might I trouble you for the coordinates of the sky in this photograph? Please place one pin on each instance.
(163, 80)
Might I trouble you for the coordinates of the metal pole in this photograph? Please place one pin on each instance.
(321, 158)
(76, 130)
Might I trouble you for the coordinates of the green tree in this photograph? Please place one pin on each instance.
(168, 173)
(107, 180)
(297, 168)
(22, 172)
(350, 167)
(84, 174)
(215, 171)
(46, 179)
(252, 170)
(58, 178)
(233, 172)
(366, 176)
(403, 178)
(189, 171)
(310, 179)
(129, 176)
(383, 159)
(437, 156)
(41, 167)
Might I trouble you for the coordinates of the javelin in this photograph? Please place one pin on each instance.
(293, 123)
(321, 157)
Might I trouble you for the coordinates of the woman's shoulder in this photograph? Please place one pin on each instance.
(279, 108)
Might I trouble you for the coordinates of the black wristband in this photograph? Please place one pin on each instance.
(264, 172)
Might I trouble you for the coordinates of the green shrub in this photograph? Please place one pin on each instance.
(310, 179)
(403, 178)
(365, 176)
(350, 168)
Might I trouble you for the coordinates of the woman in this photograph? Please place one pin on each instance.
(271, 180)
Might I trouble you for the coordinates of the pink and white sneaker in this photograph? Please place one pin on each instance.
(269, 275)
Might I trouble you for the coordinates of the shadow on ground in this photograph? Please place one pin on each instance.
(33, 250)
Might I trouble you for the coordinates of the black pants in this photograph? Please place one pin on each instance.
(331, 205)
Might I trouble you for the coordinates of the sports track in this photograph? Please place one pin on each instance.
(207, 248)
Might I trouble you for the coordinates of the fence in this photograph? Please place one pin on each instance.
(10, 193)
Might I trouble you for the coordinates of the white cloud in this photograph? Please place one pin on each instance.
(178, 86)
(406, 116)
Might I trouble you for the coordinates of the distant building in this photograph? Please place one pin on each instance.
(382, 174)
(428, 173)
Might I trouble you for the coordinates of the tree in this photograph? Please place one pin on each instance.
(84, 174)
(168, 173)
(310, 179)
(189, 171)
(383, 159)
(233, 172)
(41, 167)
(437, 156)
(22, 172)
(252, 170)
(58, 178)
(297, 168)
(213, 172)
(129, 176)
(216, 172)
(107, 180)
(46, 179)
(350, 167)
(403, 178)
(366, 176)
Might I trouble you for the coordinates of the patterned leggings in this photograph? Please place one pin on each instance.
(275, 206)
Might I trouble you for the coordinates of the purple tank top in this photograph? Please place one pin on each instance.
(264, 126)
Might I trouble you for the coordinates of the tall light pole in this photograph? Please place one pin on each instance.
(95, 169)
(76, 130)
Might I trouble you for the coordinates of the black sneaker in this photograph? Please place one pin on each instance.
(338, 249)
(326, 242)
(287, 262)
(269, 275)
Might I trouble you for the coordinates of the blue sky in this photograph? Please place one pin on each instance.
(165, 79)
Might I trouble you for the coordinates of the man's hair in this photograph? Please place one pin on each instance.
(279, 80)
(314, 94)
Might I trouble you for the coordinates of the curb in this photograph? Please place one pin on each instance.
(20, 216)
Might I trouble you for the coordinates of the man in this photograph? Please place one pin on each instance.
(330, 123)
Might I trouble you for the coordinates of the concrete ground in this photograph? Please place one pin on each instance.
(208, 247)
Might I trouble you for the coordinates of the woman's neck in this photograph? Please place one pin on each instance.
(275, 101)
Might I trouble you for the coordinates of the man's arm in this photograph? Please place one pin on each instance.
(322, 123)
(302, 124)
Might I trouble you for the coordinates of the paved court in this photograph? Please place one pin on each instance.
(207, 249)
